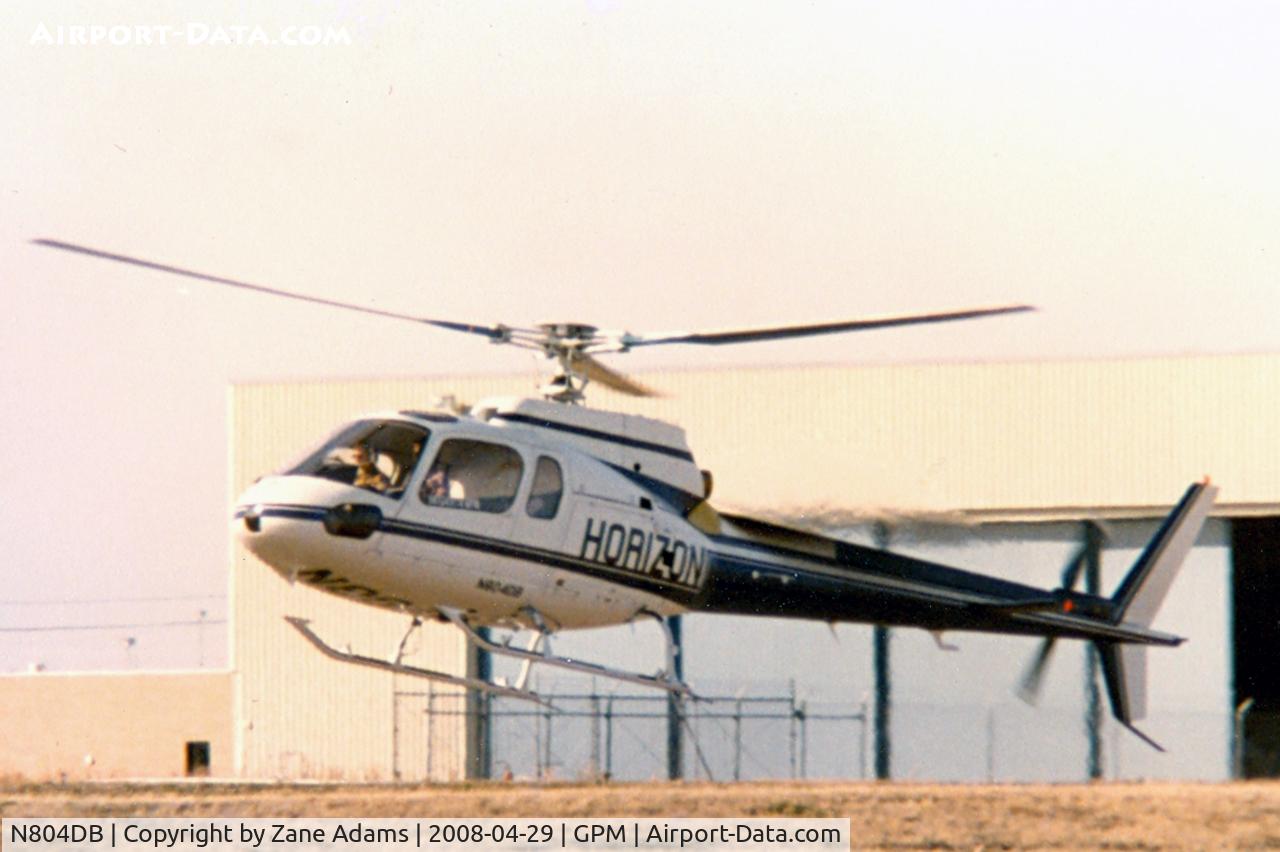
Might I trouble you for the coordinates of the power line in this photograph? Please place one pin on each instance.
(149, 599)
(144, 626)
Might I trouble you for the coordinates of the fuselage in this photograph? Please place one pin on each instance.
(508, 520)
(525, 523)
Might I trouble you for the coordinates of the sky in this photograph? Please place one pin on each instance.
(649, 166)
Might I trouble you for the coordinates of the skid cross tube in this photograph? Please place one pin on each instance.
(662, 680)
(303, 627)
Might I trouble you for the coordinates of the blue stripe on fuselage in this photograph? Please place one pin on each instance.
(839, 588)
(471, 541)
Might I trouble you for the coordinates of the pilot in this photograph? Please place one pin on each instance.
(368, 476)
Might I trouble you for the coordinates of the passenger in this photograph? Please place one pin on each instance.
(436, 485)
(368, 476)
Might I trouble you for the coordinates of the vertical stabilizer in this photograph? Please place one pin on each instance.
(1143, 590)
(1124, 668)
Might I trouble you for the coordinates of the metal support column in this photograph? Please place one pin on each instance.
(880, 652)
(1093, 539)
(482, 765)
(675, 707)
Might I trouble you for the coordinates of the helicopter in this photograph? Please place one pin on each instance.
(543, 514)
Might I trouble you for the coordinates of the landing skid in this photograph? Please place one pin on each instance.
(538, 653)
(303, 627)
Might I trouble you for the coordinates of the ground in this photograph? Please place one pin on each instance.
(883, 816)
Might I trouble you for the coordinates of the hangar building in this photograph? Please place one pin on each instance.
(998, 467)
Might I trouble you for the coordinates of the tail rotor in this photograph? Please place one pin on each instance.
(1132, 608)
(1033, 677)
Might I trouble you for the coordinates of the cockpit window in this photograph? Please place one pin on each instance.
(473, 475)
(548, 485)
(377, 455)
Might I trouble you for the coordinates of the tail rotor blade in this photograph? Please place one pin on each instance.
(1029, 687)
(1071, 573)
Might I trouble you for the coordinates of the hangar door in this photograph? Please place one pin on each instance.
(1255, 548)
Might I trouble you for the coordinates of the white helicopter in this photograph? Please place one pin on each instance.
(545, 515)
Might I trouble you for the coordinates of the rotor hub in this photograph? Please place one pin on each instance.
(558, 331)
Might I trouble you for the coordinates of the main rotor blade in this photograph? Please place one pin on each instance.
(788, 331)
(491, 332)
(597, 372)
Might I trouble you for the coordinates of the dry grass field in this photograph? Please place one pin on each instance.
(884, 816)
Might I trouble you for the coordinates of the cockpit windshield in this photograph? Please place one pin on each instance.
(378, 455)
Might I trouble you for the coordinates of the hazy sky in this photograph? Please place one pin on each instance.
(642, 165)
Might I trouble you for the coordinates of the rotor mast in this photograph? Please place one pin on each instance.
(566, 342)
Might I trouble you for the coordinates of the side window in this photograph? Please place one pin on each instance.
(548, 485)
(474, 475)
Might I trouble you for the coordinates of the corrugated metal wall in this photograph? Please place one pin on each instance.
(1020, 440)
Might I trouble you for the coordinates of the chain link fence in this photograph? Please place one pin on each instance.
(623, 736)
(591, 735)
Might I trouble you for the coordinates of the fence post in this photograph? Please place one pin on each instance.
(737, 740)
(546, 744)
(863, 710)
(395, 730)
(595, 735)
(991, 745)
(804, 740)
(537, 746)
(608, 739)
(791, 701)
(431, 727)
